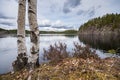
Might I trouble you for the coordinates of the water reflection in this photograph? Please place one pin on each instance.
(102, 42)
(8, 48)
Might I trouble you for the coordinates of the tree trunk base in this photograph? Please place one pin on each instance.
(21, 62)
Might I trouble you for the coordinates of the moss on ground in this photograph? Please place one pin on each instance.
(73, 69)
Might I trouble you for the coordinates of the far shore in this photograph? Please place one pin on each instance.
(5, 33)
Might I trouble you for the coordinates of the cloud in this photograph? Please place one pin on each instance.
(53, 8)
(7, 23)
(66, 10)
(69, 4)
(46, 25)
(63, 27)
(55, 25)
(6, 17)
(8, 8)
(80, 12)
(91, 12)
(57, 14)
(16, 0)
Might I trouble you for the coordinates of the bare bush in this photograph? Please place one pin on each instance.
(56, 52)
(84, 52)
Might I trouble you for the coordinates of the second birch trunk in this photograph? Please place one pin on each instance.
(34, 32)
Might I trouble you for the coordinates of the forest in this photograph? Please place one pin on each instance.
(112, 21)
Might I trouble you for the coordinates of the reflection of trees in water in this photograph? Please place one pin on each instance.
(103, 42)
(70, 36)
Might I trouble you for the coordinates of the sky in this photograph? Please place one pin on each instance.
(58, 14)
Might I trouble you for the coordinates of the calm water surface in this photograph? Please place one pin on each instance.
(8, 48)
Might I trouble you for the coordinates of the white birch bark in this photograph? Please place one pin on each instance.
(21, 27)
(22, 59)
(34, 31)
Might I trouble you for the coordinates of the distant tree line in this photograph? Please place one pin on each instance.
(14, 31)
(108, 20)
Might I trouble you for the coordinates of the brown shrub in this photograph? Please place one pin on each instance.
(56, 52)
(84, 52)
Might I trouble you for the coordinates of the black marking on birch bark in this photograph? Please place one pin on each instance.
(21, 62)
(38, 34)
(31, 11)
(38, 50)
(33, 51)
(20, 36)
(33, 37)
(19, 41)
(36, 29)
(37, 63)
(29, 1)
(21, 4)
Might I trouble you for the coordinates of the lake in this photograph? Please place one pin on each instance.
(8, 48)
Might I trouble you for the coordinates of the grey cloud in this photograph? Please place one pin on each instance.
(16, 0)
(70, 4)
(66, 10)
(57, 26)
(69, 27)
(63, 27)
(7, 23)
(99, 6)
(53, 8)
(5, 17)
(10, 0)
(80, 12)
(5, 20)
(41, 25)
(90, 12)
(46, 25)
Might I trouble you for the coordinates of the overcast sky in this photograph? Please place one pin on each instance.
(58, 14)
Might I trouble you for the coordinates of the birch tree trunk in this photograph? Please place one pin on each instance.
(34, 32)
(22, 59)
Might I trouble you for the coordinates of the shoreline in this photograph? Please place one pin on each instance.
(105, 66)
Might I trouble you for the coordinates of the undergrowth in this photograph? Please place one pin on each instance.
(58, 52)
